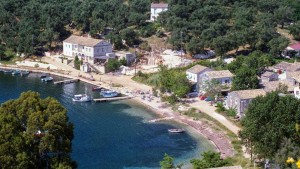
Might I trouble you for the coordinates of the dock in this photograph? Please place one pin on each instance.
(67, 81)
(112, 99)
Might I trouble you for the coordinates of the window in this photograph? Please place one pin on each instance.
(227, 81)
(297, 92)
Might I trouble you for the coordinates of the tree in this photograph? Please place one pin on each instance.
(212, 87)
(35, 133)
(283, 14)
(167, 163)
(77, 63)
(295, 30)
(210, 160)
(245, 78)
(288, 149)
(173, 81)
(268, 120)
(129, 36)
(112, 64)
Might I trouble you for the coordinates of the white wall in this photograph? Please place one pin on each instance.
(155, 12)
(67, 49)
(192, 76)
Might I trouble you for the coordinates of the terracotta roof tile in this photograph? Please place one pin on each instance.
(219, 74)
(159, 5)
(249, 94)
(85, 41)
(196, 69)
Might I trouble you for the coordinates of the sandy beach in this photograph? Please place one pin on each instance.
(130, 87)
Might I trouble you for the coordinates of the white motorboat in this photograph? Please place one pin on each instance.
(81, 98)
(175, 130)
(47, 79)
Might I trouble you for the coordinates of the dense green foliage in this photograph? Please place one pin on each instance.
(31, 26)
(77, 63)
(210, 160)
(268, 121)
(245, 78)
(112, 65)
(226, 25)
(35, 133)
(248, 68)
(174, 81)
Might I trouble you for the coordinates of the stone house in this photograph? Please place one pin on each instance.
(283, 68)
(268, 76)
(157, 8)
(241, 99)
(294, 78)
(88, 49)
(224, 77)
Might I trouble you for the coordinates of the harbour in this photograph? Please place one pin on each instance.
(115, 128)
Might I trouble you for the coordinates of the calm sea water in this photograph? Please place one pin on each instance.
(112, 135)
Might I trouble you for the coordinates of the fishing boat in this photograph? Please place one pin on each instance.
(7, 71)
(16, 72)
(43, 76)
(24, 73)
(47, 79)
(81, 98)
(109, 93)
(97, 88)
(175, 130)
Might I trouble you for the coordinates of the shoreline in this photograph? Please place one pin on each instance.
(218, 139)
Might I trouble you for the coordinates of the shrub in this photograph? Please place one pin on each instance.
(231, 112)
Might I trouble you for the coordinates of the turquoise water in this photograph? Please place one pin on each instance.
(110, 135)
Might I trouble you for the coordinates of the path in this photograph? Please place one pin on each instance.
(206, 108)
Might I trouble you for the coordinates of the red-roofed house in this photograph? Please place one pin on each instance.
(295, 49)
(157, 8)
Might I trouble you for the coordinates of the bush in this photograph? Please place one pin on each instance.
(231, 112)
(148, 30)
(160, 34)
(220, 107)
(172, 99)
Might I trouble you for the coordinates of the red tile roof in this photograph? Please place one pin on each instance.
(159, 5)
(295, 46)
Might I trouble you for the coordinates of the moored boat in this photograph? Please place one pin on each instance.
(43, 76)
(24, 73)
(81, 98)
(47, 79)
(109, 93)
(16, 72)
(7, 71)
(97, 88)
(175, 130)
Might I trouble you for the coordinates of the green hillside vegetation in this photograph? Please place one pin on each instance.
(32, 26)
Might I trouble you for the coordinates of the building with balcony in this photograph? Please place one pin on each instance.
(157, 8)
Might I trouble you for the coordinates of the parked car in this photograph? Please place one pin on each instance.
(202, 97)
(192, 95)
(209, 99)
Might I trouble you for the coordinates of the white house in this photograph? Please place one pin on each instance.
(193, 74)
(157, 8)
(88, 49)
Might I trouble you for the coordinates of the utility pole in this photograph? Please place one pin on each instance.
(135, 60)
(181, 45)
